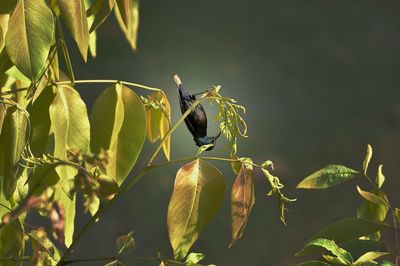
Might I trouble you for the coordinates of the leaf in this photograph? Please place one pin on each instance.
(397, 214)
(380, 178)
(331, 246)
(119, 125)
(194, 258)
(313, 263)
(347, 229)
(242, 201)
(367, 159)
(372, 197)
(5, 61)
(374, 210)
(387, 263)
(92, 35)
(29, 36)
(70, 124)
(40, 121)
(104, 8)
(370, 256)
(127, 14)
(12, 142)
(125, 244)
(158, 120)
(12, 242)
(327, 177)
(198, 193)
(74, 16)
(68, 204)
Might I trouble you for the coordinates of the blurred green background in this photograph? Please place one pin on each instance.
(320, 80)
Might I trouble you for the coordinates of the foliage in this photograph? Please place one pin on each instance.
(52, 150)
(355, 240)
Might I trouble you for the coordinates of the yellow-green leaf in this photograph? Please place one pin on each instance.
(127, 14)
(367, 159)
(313, 263)
(68, 205)
(380, 178)
(12, 142)
(29, 36)
(372, 197)
(118, 125)
(104, 8)
(198, 193)
(74, 16)
(70, 124)
(370, 256)
(327, 177)
(242, 201)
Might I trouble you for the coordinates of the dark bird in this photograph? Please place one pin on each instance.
(196, 121)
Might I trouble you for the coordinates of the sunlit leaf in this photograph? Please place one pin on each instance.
(127, 14)
(198, 193)
(367, 159)
(12, 242)
(74, 16)
(386, 263)
(194, 258)
(372, 197)
(347, 229)
(70, 124)
(55, 68)
(114, 263)
(370, 256)
(125, 244)
(29, 36)
(92, 35)
(242, 201)
(12, 142)
(331, 246)
(68, 204)
(67, 61)
(327, 177)
(380, 178)
(165, 124)
(40, 121)
(119, 125)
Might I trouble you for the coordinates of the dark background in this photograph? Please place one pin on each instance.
(320, 80)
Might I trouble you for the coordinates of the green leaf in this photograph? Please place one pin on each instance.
(40, 121)
(387, 263)
(127, 14)
(74, 16)
(331, 246)
(198, 193)
(125, 244)
(29, 36)
(67, 61)
(43, 176)
(370, 256)
(380, 178)
(313, 263)
(119, 125)
(12, 142)
(347, 229)
(367, 159)
(92, 35)
(397, 214)
(114, 263)
(104, 8)
(372, 197)
(5, 61)
(242, 201)
(12, 242)
(375, 208)
(194, 258)
(327, 177)
(68, 204)
(70, 124)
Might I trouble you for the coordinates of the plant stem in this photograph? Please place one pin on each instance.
(108, 81)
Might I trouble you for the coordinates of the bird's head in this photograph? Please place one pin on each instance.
(200, 141)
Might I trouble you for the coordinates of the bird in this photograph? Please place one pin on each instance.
(196, 121)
